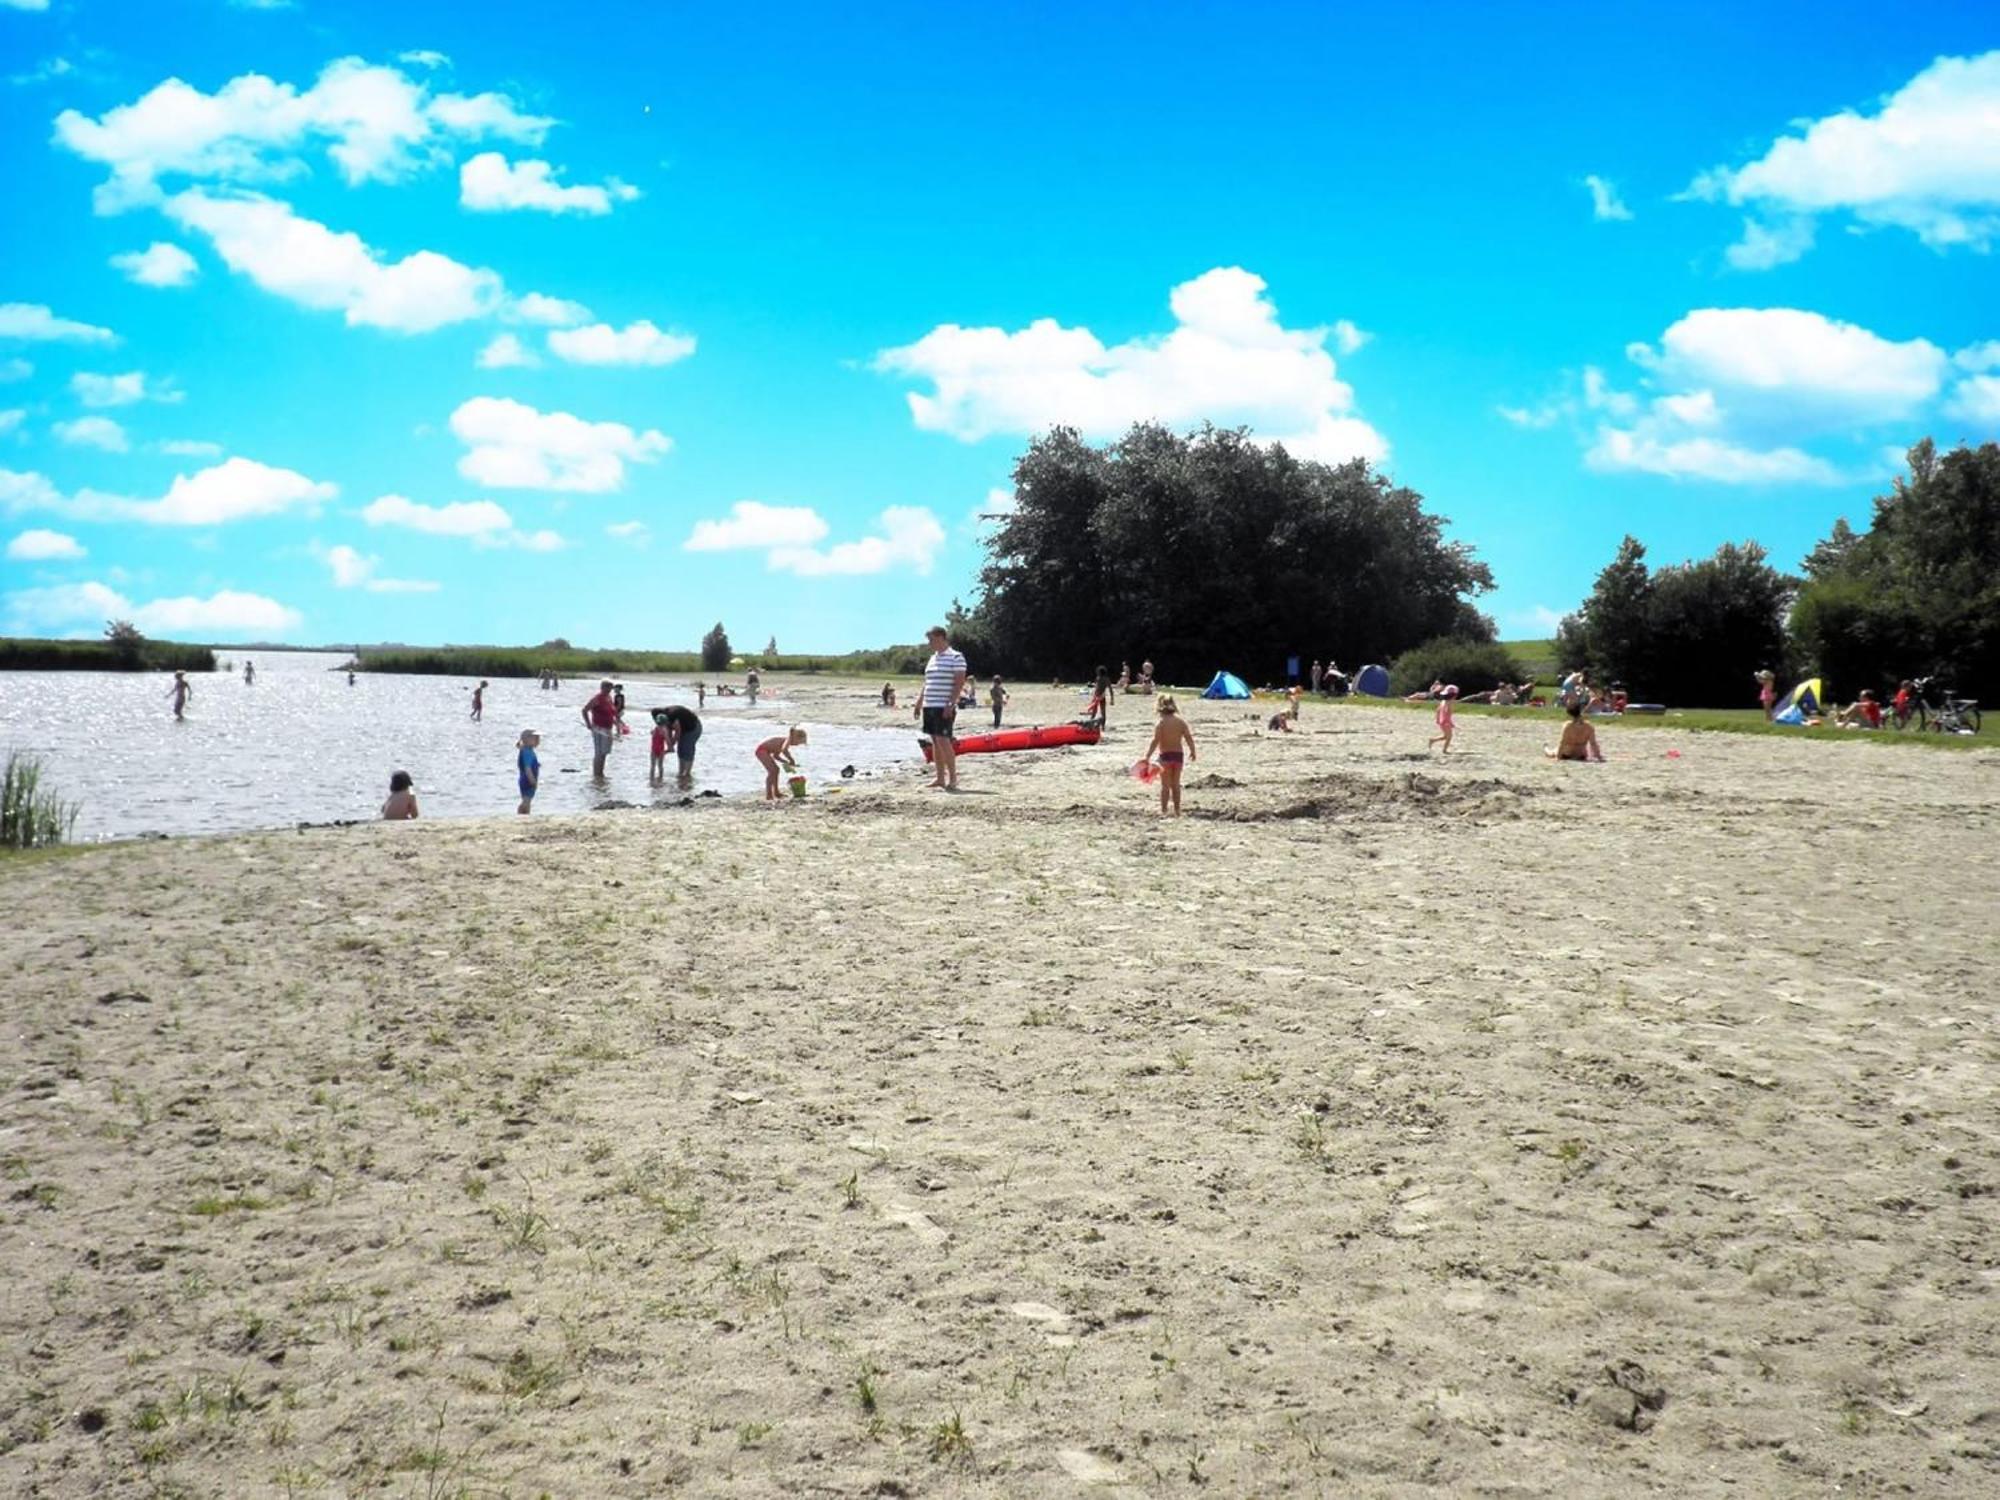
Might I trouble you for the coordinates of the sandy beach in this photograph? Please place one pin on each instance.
(1385, 1126)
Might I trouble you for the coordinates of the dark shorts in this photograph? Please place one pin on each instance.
(527, 790)
(684, 747)
(938, 722)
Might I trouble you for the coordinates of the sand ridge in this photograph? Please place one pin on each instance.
(1386, 1126)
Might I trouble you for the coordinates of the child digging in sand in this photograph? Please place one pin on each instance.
(1444, 724)
(1173, 744)
(775, 752)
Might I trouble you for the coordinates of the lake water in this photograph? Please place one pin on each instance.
(300, 745)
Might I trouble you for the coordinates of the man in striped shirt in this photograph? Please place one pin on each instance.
(944, 681)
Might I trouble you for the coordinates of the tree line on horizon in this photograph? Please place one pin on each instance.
(1917, 594)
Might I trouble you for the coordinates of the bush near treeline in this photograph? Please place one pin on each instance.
(1918, 594)
(531, 661)
(25, 655)
(1210, 550)
(1471, 666)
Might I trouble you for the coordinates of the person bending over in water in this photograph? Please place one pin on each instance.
(180, 692)
(777, 751)
(402, 801)
(1579, 739)
(1172, 745)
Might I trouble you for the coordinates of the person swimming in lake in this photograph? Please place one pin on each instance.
(1579, 739)
(775, 752)
(1172, 745)
(402, 803)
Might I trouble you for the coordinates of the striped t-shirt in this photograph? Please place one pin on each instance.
(940, 673)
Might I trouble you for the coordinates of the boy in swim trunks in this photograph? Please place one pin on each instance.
(1172, 746)
(530, 766)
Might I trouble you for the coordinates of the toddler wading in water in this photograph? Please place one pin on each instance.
(1173, 745)
(777, 751)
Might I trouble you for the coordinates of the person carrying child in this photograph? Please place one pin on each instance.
(402, 801)
(775, 752)
(529, 765)
(1579, 739)
(1444, 721)
(1172, 745)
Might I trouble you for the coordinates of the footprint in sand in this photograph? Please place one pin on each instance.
(1085, 1467)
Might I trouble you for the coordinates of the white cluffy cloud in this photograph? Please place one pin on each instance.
(353, 571)
(635, 532)
(10, 419)
(1927, 160)
(908, 535)
(308, 263)
(479, 521)
(514, 446)
(551, 312)
(37, 545)
(121, 390)
(1977, 400)
(506, 352)
(489, 183)
(93, 432)
(1739, 391)
(637, 343)
(375, 123)
(65, 607)
(24, 4)
(1605, 204)
(33, 323)
(464, 518)
(236, 489)
(191, 448)
(753, 524)
(159, 264)
(1227, 360)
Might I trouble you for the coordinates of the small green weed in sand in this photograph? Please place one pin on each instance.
(750, 1434)
(864, 1388)
(949, 1441)
(850, 1190)
(527, 1376)
(215, 1208)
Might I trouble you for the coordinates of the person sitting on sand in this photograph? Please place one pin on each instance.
(1172, 745)
(775, 752)
(1280, 723)
(1902, 705)
(888, 695)
(1444, 719)
(1863, 713)
(402, 801)
(1579, 739)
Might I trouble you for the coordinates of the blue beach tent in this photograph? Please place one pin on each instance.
(1801, 703)
(1226, 685)
(1373, 681)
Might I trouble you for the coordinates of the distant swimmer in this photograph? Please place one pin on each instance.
(350, 677)
(249, 673)
(402, 801)
(479, 701)
(180, 692)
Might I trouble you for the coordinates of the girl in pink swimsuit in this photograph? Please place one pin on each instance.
(1444, 723)
(1172, 746)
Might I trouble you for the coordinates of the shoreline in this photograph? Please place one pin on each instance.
(1386, 1123)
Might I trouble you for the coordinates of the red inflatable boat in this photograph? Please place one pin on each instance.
(1041, 737)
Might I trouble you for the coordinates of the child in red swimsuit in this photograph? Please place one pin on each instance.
(1172, 746)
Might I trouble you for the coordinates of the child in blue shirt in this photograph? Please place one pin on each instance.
(530, 766)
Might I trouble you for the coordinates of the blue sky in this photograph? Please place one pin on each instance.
(427, 322)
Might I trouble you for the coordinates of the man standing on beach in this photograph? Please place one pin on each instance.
(600, 714)
(944, 681)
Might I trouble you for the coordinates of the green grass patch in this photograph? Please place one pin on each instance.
(1533, 660)
(1705, 720)
(25, 654)
(32, 816)
(531, 661)
(215, 1208)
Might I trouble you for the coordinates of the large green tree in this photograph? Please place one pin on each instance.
(1211, 550)
(1918, 593)
(1689, 634)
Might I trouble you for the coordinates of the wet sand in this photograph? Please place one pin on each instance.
(1385, 1126)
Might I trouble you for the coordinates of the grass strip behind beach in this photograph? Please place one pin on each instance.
(1707, 720)
(18, 654)
(531, 661)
